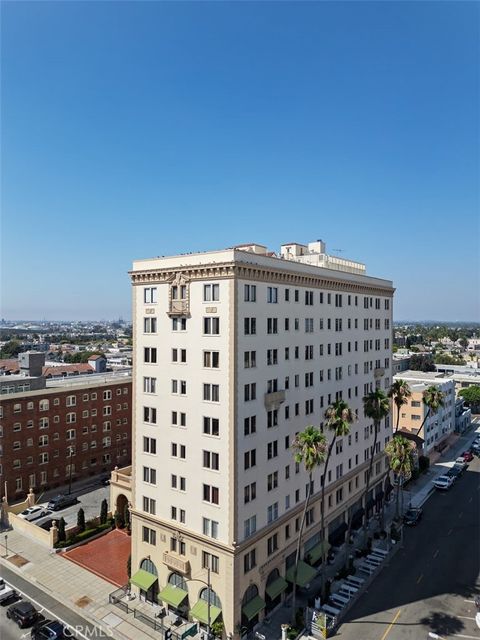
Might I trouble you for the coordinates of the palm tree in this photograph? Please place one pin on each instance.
(309, 447)
(339, 417)
(376, 406)
(399, 452)
(399, 392)
(433, 398)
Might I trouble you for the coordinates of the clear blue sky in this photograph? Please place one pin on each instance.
(134, 129)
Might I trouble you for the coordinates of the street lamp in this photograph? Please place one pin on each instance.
(209, 595)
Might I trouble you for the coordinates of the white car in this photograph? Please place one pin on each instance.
(443, 482)
(32, 513)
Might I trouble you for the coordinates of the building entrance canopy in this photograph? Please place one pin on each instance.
(200, 612)
(172, 595)
(143, 579)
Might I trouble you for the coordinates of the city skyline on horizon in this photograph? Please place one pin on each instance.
(138, 129)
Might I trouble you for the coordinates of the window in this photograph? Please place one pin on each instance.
(211, 392)
(249, 391)
(43, 459)
(210, 528)
(272, 544)
(249, 425)
(17, 408)
(43, 405)
(149, 475)
(272, 418)
(179, 324)
(211, 292)
(272, 481)
(150, 295)
(308, 325)
(249, 526)
(178, 450)
(149, 445)
(71, 434)
(179, 355)
(272, 385)
(149, 325)
(107, 411)
(43, 441)
(272, 325)
(179, 387)
(149, 385)
(272, 356)
(149, 505)
(179, 419)
(71, 401)
(211, 359)
(249, 560)
(211, 426)
(309, 298)
(272, 449)
(249, 359)
(211, 325)
(150, 415)
(150, 355)
(209, 561)
(249, 459)
(250, 293)
(149, 536)
(250, 326)
(250, 492)
(43, 422)
(210, 494)
(272, 295)
(211, 460)
(272, 512)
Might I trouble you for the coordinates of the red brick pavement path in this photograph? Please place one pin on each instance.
(105, 557)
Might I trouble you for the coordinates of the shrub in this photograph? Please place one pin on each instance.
(103, 511)
(61, 530)
(292, 633)
(217, 628)
(129, 566)
(81, 520)
(119, 521)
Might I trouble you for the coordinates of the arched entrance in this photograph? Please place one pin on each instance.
(120, 504)
(150, 594)
(208, 609)
(252, 605)
(175, 594)
(274, 588)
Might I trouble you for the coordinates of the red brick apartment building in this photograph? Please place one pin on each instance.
(86, 423)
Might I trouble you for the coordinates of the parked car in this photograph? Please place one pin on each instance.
(48, 630)
(23, 613)
(47, 524)
(455, 472)
(413, 516)
(61, 502)
(467, 456)
(32, 513)
(443, 482)
(7, 594)
(460, 462)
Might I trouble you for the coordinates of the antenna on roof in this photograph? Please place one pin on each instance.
(338, 250)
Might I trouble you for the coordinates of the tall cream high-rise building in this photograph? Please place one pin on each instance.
(235, 352)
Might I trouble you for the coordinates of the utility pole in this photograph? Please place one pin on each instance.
(208, 601)
(70, 471)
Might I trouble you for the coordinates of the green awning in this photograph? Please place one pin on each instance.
(200, 612)
(172, 595)
(316, 552)
(143, 579)
(276, 587)
(253, 607)
(305, 574)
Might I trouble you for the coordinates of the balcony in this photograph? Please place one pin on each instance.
(379, 372)
(178, 308)
(173, 561)
(274, 400)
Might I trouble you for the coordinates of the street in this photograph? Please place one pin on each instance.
(49, 607)
(430, 583)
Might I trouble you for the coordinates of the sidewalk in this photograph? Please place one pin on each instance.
(88, 594)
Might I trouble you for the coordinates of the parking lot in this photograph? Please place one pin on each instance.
(89, 500)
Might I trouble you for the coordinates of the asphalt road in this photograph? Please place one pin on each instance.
(49, 607)
(430, 583)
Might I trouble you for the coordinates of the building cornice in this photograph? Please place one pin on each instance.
(258, 273)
